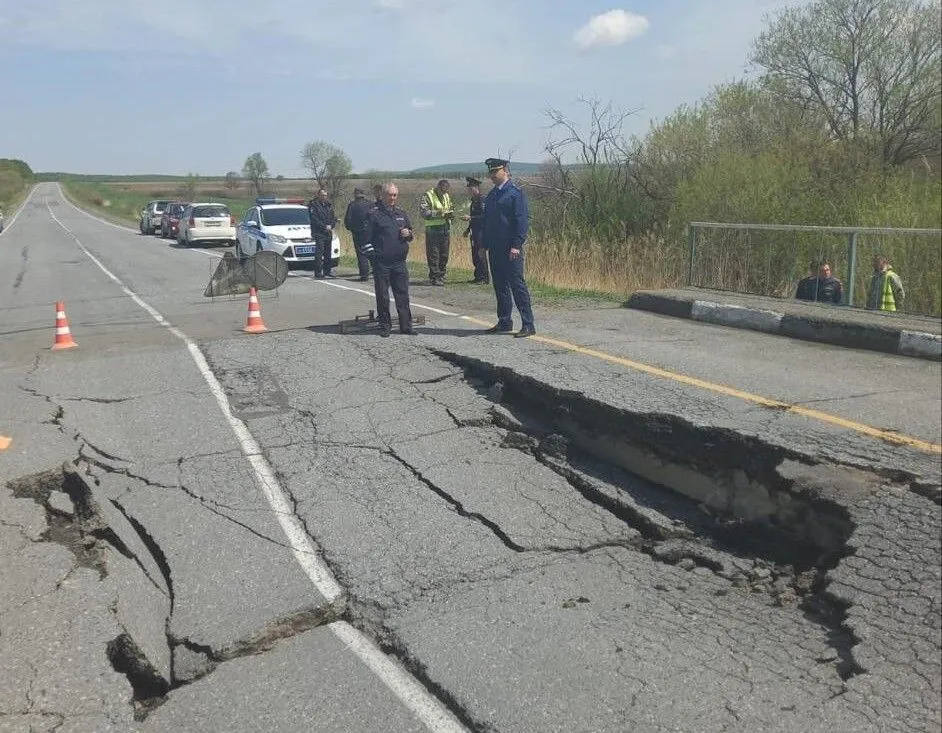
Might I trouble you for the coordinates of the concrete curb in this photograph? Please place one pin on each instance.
(832, 331)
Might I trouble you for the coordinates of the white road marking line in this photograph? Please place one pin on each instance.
(415, 697)
(402, 684)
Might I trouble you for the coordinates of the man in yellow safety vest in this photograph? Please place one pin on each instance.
(886, 288)
(437, 211)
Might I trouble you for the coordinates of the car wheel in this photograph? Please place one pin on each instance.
(258, 246)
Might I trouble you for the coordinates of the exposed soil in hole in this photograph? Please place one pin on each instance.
(68, 531)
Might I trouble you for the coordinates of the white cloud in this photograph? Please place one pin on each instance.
(610, 29)
(419, 103)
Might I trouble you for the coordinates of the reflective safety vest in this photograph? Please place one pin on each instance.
(887, 300)
(439, 206)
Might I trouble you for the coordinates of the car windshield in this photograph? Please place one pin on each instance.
(285, 216)
(177, 209)
(204, 211)
(161, 205)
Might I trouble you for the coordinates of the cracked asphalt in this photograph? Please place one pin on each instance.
(538, 540)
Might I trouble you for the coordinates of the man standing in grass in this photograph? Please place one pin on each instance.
(356, 219)
(886, 288)
(437, 211)
(475, 219)
(820, 286)
(506, 223)
(323, 221)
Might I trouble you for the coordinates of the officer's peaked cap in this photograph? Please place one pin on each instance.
(494, 163)
(472, 181)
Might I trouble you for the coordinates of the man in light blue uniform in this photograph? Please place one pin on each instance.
(506, 223)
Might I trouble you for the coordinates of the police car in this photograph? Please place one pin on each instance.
(282, 226)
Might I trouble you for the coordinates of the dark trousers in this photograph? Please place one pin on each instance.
(363, 262)
(437, 247)
(510, 288)
(322, 256)
(396, 276)
(479, 259)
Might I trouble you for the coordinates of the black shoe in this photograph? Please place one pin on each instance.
(499, 329)
(319, 275)
(524, 332)
(330, 276)
(408, 332)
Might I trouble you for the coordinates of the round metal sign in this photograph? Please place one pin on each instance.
(265, 270)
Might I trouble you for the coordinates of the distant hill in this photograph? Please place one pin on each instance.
(472, 169)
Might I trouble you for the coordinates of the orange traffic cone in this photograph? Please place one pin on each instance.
(63, 334)
(254, 324)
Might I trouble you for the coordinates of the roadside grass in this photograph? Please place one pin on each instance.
(123, 202)
(459, 277)
(13, 192)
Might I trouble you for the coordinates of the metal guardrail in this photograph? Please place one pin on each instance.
(853, 235)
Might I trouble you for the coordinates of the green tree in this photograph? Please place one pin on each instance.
(187, 190)
(232, 180)
(869, 69)
(255, 171)
(327, 165)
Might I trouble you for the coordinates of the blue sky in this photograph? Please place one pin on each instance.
(179, 86)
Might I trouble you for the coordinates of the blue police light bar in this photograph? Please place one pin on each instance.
(262, 200)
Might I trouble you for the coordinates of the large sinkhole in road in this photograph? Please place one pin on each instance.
(729, 488)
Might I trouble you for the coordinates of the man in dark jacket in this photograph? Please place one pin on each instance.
(356, 220)
(506, 223)
(387, 246)
(323, 221)
(475, 230)
(820, 286)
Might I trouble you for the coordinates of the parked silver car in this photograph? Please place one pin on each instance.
(150, 216)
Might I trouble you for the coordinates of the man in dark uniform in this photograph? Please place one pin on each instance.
(323, 221)
(506, 223)
(475, 219)
(820, 286)
(356, 220)
(387, 245)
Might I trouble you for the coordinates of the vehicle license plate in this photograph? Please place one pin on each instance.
(213, 224)
(299, 251)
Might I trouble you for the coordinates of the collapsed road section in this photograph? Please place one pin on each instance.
(547, 560)
(545, 547)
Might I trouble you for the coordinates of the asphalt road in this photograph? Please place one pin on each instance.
(302, 530)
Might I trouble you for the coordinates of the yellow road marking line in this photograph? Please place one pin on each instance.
(886, 435)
